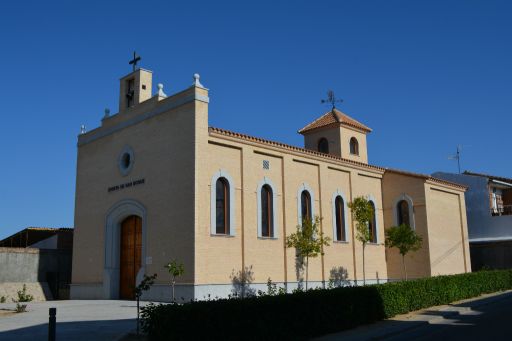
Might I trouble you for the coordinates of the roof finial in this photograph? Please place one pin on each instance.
(82, 129)
(331, 99)
(107, 113)
(160, 87)
(196, 81)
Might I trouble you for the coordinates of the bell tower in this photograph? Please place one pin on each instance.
(337, 134)
(135, 87)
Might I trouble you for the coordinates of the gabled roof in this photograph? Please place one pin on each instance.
(232, 134)
(334, 117)
(428, 177)
(306, 152)
(491, 177)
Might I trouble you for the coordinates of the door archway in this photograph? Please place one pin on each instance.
(114, 220)
(130, 256)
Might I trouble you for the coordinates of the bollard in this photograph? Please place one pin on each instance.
(51, 324)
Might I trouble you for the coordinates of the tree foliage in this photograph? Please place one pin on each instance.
(176, 269)
(144, 285)
(362, 213)
(308, 241)
(405, 239)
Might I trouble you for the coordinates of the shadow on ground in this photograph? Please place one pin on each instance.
(82, 330)
(486, 319)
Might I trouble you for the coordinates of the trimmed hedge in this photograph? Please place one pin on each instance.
(304, 315)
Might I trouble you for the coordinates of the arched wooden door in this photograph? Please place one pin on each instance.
(131, 254)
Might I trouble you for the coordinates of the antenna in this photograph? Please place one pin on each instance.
(457, 156)
(331, 99)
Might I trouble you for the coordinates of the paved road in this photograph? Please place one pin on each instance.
(76, 320)
(489, 321)
(486, 318)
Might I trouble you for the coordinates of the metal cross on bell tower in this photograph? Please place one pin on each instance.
(331, 99)
(134, 60)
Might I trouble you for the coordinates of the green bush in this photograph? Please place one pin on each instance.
(303, 315)
(403, 297)
(23, 297)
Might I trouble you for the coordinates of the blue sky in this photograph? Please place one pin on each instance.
(425, 75)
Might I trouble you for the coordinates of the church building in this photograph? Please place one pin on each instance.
(155, 183)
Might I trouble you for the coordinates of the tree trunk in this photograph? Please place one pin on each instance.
(307, 271)
(364, 270)
(138, 298)
(173, 282)
(405, 268)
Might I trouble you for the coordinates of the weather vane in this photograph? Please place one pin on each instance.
(331, 99)
(134, 60)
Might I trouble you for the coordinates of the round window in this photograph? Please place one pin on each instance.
(125, 161)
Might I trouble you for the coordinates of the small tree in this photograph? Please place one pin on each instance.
(23, 297)
(405, 239)
(144, 285)
(362, 212)
(272, 289)
(308, 241)
(176, 270)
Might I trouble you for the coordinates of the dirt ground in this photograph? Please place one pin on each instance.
(6, 312)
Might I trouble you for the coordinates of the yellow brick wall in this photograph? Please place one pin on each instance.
(346, 133)
(339, 141)
(218, 257)
(332, 134)
(164, 157)
(447, 231)
(177, 156)
(395, 186)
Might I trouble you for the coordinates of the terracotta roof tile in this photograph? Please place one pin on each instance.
(492, 177)
(427, 177)
(332, 157)
(333, 117)
(289, 147)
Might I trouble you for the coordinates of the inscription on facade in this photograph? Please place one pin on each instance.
(126, 185)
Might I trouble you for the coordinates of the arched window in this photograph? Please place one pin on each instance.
(267, 212)
(323, 145)
(339, 213)
(372, 226)
(305, 204)
(222, 206)
(402, 210)
(354, 146)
